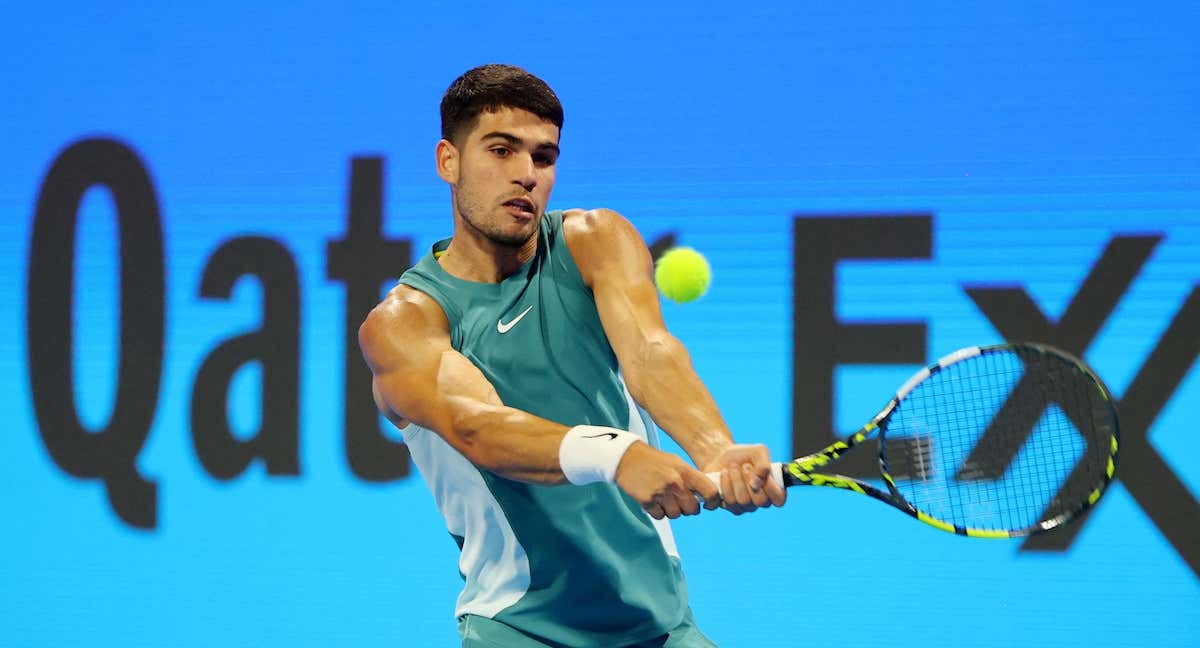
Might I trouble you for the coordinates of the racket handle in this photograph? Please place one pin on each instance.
(776, 476)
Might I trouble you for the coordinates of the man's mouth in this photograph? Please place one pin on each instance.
(521, 207)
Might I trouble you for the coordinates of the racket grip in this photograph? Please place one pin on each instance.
(776, 476)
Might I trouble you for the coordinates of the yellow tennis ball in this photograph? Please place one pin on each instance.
(682, 274)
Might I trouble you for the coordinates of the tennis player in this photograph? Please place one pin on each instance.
(516, 358)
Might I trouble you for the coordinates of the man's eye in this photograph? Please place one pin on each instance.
(500, 151)
(543, 160)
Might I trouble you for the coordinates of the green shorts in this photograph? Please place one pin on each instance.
(482, 632)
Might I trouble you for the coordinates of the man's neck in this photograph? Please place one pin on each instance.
(471, 256)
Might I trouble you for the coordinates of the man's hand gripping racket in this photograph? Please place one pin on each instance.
(988, 442)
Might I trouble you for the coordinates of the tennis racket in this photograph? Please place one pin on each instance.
(988, 442)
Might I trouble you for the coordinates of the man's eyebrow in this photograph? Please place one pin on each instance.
(517, 141)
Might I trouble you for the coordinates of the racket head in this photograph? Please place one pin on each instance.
(999, 441)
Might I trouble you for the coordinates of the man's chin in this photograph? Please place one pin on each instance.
(513, 239)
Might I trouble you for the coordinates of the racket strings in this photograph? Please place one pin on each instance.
(1006, 440)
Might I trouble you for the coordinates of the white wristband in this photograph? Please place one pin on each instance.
(590, 453)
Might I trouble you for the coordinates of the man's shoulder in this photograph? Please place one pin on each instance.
(595, 232)
(590, 223)
(405, 303)
(406, 313)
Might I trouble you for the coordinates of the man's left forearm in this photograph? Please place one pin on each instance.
(664, 382)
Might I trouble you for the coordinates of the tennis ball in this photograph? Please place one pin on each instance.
(682, 274)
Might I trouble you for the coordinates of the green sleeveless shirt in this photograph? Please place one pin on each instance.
(570, 565)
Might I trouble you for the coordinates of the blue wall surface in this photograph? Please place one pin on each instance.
(1023, 150)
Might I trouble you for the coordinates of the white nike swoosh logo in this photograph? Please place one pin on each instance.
(505, 328)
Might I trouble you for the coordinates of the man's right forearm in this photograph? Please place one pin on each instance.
(508, 442)
(520, 446)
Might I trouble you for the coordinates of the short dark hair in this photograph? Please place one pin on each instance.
(490, 88)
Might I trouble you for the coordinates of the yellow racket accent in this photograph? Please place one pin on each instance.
(934, 522)
(836, 482)
(984, 533)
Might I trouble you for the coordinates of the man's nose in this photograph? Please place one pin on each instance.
(525, 175)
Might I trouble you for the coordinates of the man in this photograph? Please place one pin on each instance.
(516, 359)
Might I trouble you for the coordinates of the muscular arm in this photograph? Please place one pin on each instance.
(420, 377)
(616, 265)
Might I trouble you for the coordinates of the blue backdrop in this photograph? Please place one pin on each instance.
(1019, 144)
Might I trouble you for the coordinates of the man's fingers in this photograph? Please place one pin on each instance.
(670, 505)
(741, 491)
(687, 503)
(757, 495)
(761, 473)
(776, 493)
(654, 510)
(729, 500)
(758, 476)
(703, 487)
(747, 480)
(681, 494)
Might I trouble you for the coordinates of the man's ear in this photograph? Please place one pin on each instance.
(447, 161)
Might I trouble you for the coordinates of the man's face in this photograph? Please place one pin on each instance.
(504, 174)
